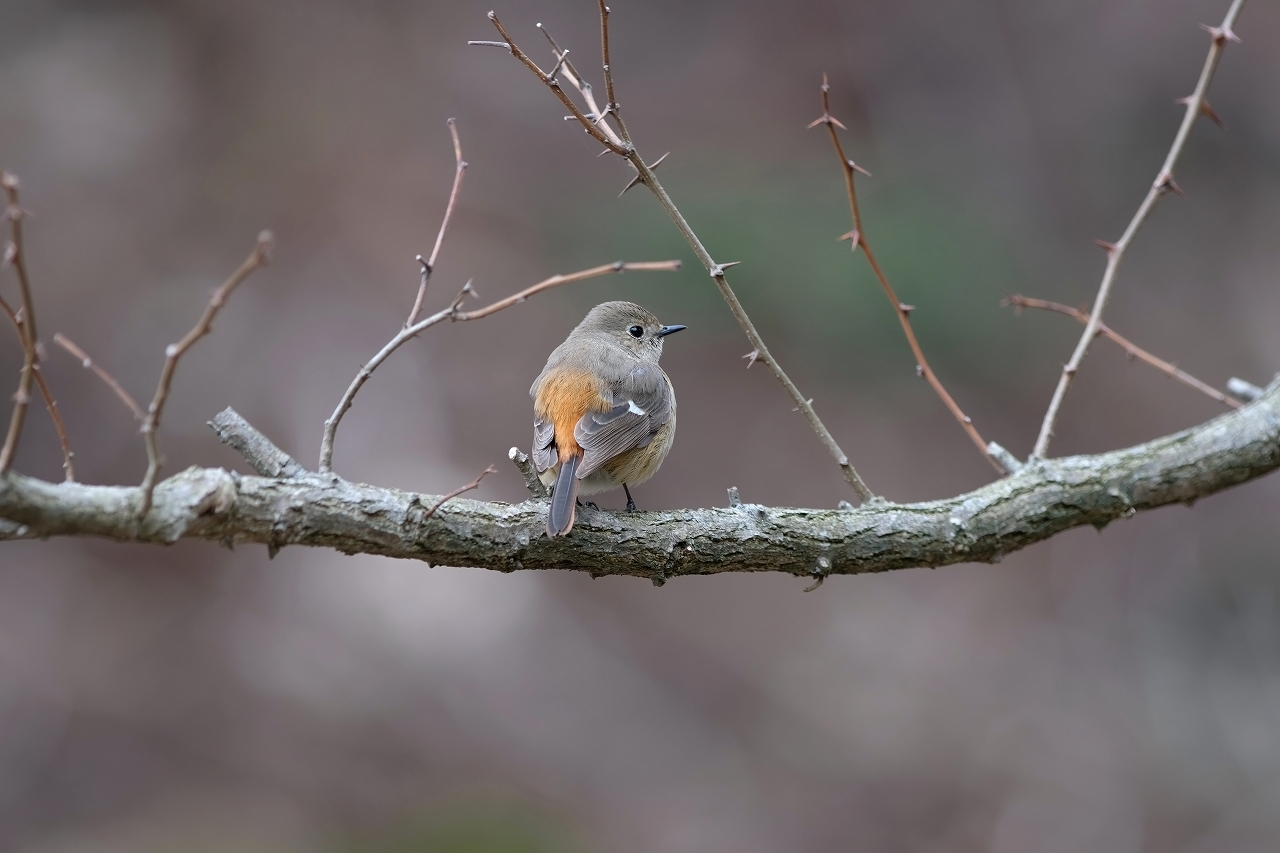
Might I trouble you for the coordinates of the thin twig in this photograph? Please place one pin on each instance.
(452, 313)
(1164, 183)
(16, 256)
(89, 364)
(858, 237)
(151, 423)
(716, 271)
(1134, 351)
(429, 265)
(49, 403)
(612, 106)
(474, 484)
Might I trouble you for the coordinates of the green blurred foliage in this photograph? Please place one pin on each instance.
(800, 285)
(472, 825)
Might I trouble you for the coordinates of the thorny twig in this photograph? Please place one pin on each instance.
(429, 265)
(1164, 183)
(1133, 350)
(858, 238)
(554, 84)
(619, 142)
(15, 255)
(452, 313)
(89, 364)
(151, 423)
(474, 484)
(49, 403)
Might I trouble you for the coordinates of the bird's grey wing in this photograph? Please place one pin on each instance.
(642, 404)
(544, 444)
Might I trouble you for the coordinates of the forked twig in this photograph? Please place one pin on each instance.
(110, 381)
(452, 313)
(619, 143)
(1133, 350)
(15, 255)
(1164, 183)
(858, 238)
(49, 403)
(474, 484)
(429, 265)
(151, 422)
(554, 84)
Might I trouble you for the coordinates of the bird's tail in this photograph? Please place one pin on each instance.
(564, 498)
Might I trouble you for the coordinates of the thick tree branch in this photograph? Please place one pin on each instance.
(1043, 498)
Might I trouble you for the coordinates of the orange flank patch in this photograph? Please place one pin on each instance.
(563, 398)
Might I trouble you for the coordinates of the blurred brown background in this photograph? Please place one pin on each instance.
(1116, 691)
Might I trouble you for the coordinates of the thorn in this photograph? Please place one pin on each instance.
(717, 270)
(815, 584)
(905, 308)
(808, 402)
(920, 370)
(426, 267)
(854, 237)
(10, 253)
(825, 119)
(501, 44)
(1220, 35)
(637, 179)
(858, 169)
(1109, 247)
(1205, 110)
(752, 357)
(1165, 183)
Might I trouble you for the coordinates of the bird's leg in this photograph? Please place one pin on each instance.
(631, 505)
(591, 504)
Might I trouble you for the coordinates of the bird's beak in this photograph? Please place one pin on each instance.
(670, 330)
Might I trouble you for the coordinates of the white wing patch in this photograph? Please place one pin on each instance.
(634, 409)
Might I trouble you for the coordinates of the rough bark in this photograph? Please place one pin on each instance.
(1042, 499)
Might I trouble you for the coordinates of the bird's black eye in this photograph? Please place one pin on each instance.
(636, 331)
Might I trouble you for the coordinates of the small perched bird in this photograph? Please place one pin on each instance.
(604, 413)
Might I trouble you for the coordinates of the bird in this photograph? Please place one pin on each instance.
(604, 412)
